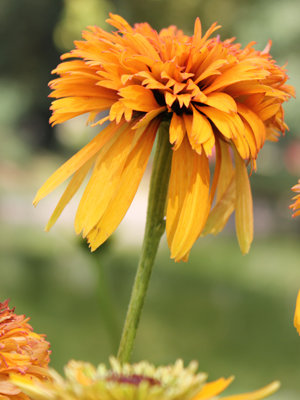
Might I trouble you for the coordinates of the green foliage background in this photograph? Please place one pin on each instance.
(231, 313)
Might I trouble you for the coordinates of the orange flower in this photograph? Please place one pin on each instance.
(128, 382)
(297, 314)
(216, 96)
(21, 351)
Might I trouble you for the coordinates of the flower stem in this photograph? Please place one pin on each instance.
(155, 227)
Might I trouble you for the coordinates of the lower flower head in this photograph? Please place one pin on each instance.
(22, 352)
(217, 98)
(128, 382)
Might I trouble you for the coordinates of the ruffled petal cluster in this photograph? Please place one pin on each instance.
(128, 382)
(22, 352)
(222, 102)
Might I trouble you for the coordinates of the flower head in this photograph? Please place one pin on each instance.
(21, 351)
(128, 382)
(218, 98)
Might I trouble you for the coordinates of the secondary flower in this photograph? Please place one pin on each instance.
(21, 351)
(297, 314)
(128, 382)
(218, 98)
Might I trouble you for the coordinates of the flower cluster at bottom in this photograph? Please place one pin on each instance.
(22, 352)
(128, 382)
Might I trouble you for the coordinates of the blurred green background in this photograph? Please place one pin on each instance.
(232, 313)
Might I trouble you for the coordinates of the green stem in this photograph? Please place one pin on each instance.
(155, 227)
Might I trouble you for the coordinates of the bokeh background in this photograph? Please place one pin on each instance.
(230, 312)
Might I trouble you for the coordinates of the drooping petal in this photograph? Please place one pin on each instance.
(77, 161)
(129, 181)
(188, 199)
(257, 394)
(104, 181)
(244, 206)
(70, 191)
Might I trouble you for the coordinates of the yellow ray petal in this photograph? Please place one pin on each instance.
(255, 123)
(222, 102)
(188, 199)
(77, 161)
(148, 117)
(188, 122)
(258, 394)
(201, 127)
(129, 181)
(297, 314)
(244, 206)
(221, 120)
(70, 191)
(138, 98)
(104, 181)
(212, 389)
(176, 131)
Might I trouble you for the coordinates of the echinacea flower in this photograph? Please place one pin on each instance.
(297, 314)
(218, 99)
(128, 382)
(22, 352)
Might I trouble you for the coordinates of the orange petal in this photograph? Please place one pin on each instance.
(188, 199)
(70, 191)
(244, 206)
(255, 123)
(256, 395)
(201, 127)
(76, 162)
(176, 131)
(128, 185)
(221, 101)
(212, 389)
(297, 314)
(188, 122)
(220, 119)
(104, 181)
(148, 117)
(138, 98)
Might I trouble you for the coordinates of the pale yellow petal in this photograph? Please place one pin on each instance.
(103, 182)
(257, 394)
(188, 199)
(70, 191)
(129, 181)
(76, 162)
(244, 206)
